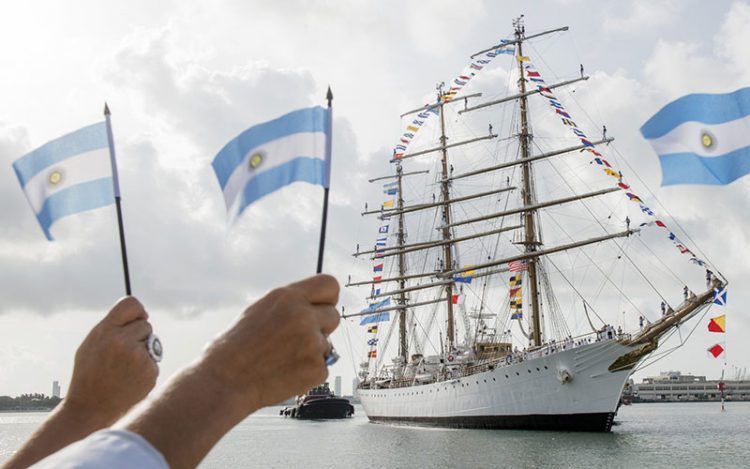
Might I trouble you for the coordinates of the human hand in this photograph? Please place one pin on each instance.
(113, 370)
(277, 347)
(274, 350)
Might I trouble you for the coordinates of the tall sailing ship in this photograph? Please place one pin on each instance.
(496, 265)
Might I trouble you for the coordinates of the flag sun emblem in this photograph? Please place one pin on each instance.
(55, 177)
(707, 140)
(255, 160)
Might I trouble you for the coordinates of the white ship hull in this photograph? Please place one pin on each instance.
(528, 395)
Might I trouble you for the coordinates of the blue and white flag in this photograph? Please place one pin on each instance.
(68, 175)
(375, 318)
(269, 156)
(505, 50)
(720, 296)
(702, 138)
(376, 306)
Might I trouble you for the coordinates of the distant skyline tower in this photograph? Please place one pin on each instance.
(355, 383)
(337, 386)
(55, 389)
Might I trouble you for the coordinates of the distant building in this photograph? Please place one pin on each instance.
(672, 386)
(55, 389)
(337, 386)
(355, 392)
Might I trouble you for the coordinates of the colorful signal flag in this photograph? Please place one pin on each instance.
(716, 350)
(717, 324)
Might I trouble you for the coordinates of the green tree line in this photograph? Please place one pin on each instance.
(34, 401)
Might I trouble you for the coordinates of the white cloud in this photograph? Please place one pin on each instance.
(731, 42)
(676, 69)
(641, 15)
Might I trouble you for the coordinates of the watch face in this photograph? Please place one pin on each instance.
(154, 348)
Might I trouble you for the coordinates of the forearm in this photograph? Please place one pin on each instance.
(275, 349)
(190, 416)
(67, 424)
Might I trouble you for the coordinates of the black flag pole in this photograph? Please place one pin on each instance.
(326, 182)
(331, 356)
(116, 186)
(153, 344)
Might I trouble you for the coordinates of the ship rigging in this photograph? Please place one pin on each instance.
(481, 378)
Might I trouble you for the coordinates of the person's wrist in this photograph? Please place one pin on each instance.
(191, 413)
(236, 394)
(85, 414)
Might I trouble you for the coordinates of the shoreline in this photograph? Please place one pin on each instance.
(36, 409)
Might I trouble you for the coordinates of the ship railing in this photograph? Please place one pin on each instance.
(517, 356)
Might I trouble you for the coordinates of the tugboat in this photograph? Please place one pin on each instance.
(319, 403)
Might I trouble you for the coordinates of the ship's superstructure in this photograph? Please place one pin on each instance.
(506, 357)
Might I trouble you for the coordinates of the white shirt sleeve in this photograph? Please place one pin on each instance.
(111, 449)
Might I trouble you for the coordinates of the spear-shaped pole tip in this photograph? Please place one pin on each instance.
(329, 96)
(106, 109)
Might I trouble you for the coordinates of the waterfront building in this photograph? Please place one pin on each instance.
(55, 389)
(671, 386)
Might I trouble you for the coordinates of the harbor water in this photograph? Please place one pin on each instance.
(684, 435)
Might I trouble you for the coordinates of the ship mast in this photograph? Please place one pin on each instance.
(402, 301)
(402, 349)
(530, 239)
(446, 230)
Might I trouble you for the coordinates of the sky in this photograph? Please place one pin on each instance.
(182, 78)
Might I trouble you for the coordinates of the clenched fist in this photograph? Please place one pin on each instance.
(277, 347)
(113, 370)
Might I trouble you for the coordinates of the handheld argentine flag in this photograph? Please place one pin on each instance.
(71, 174)
(268, 156)
(702, 138)
(68, 175)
